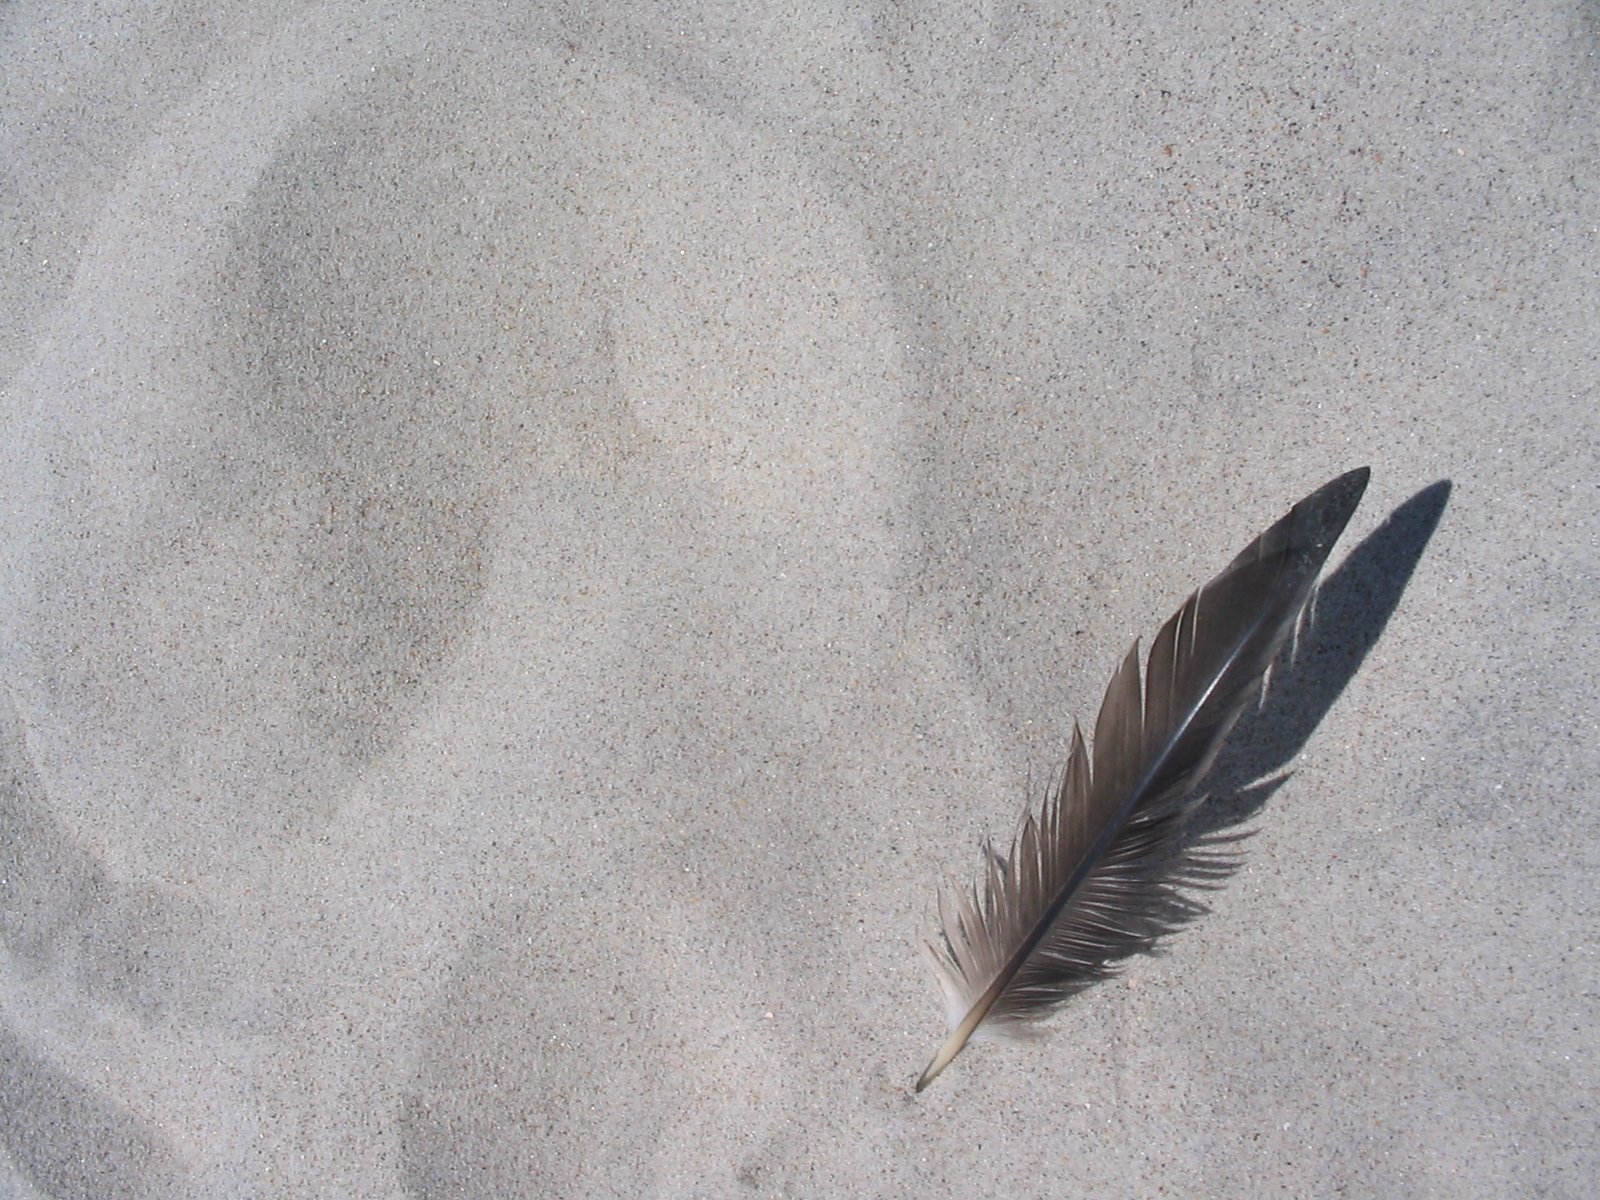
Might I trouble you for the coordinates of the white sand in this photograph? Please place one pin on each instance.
(532, 543)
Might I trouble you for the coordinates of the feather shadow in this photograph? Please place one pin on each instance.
(1350, 611)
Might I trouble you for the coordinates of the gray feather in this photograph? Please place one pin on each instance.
(1093, 875)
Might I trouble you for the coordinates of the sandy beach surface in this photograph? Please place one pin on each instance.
(533, 537)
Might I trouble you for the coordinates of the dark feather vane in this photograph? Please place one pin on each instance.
(1095, 874)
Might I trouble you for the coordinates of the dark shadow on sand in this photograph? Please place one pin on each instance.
(1349, 614)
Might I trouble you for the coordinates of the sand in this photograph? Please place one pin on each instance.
(535, 536)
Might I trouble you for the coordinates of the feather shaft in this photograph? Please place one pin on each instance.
(1086, 878)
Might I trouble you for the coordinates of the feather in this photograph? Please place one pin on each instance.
(1090, 877)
